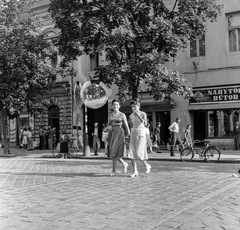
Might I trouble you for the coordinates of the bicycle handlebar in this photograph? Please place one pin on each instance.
(198, 141)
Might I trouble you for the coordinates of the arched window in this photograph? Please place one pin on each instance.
(235, 117)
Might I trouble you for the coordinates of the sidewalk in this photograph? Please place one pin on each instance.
(227, 156)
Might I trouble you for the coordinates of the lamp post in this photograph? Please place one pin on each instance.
(94, 95)
(86, 148)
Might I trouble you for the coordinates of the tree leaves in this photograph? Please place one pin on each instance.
(138, 37)
(24, 58)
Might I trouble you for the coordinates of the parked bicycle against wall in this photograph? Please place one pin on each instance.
(207, 152)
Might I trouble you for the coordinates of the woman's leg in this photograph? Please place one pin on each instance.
(135, 171)
(114, 166)
(147, 166)
(124, 164)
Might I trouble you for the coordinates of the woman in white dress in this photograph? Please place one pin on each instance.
(25, 138)
(138, 138)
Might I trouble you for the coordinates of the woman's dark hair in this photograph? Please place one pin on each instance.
(116, 100)
(135, 101)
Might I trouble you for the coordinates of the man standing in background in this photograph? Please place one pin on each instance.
(175, 137)
(96, 140)
(236, 135)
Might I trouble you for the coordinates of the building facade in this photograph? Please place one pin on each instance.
(212, 65)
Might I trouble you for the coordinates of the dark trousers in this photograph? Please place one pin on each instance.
(42, 143)
(175, 140)
(96, 144)
(236, 141)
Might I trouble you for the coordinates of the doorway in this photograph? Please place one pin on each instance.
(53, 119)
(200, 124)
(164, 118)
(99, 115)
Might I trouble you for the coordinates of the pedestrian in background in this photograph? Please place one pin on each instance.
(117, 135)
(80, 136)
(64, 142)
(175, 137)
(96, 140)
(157, 136)
(30, 140)
(236, 135)
(138, 138)
(20, 138)
(105, 137)
(41, 138)
(149, 140)
(187, 136)
(25, 138)
(51, 134)
(75, 138)
(46, 138)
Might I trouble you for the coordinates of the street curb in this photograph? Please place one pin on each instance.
(226, 161)
(8, 155)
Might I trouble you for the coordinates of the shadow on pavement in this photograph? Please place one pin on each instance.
(70, 174)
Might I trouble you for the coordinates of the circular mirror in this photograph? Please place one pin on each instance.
(94, 95)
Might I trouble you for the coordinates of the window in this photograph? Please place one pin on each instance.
(221, 122)
(94, 64)
(234, 32)
(197, 47)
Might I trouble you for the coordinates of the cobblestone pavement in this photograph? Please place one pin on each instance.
(80, 194)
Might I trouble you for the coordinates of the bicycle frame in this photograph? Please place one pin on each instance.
(209, 153)
(200, 150)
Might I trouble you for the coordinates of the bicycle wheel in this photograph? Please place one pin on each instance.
(212, 154)
(187, 154)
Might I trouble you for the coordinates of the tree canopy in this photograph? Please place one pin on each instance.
(137, 36)
(25, 68)
(26, 73)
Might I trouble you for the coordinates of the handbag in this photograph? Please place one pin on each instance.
(142, 132)
(104, 136)
(155, 145)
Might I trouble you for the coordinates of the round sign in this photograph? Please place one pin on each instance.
(94, 95)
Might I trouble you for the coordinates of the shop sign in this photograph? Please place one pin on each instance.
(146, 97)
(215, 95)
(94, 95)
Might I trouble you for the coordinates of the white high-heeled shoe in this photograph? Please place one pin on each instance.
(113, 174)
(148, 168)
(125, 167)
(135, 174)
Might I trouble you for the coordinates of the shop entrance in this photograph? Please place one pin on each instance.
(96, 115)
(200, 127)
(164, 118)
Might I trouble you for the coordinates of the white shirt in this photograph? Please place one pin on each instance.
(174, 127)
(95, 131)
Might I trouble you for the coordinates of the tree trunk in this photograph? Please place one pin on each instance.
(5, 131)
(135, 92)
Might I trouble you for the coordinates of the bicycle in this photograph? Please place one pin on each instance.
(209, 153)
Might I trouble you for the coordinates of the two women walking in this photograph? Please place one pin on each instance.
(120, 133)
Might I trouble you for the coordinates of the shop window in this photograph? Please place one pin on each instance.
(221, 122)
(234, 32)
(197, 47)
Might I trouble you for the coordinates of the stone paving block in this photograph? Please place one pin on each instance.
(76, 194)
